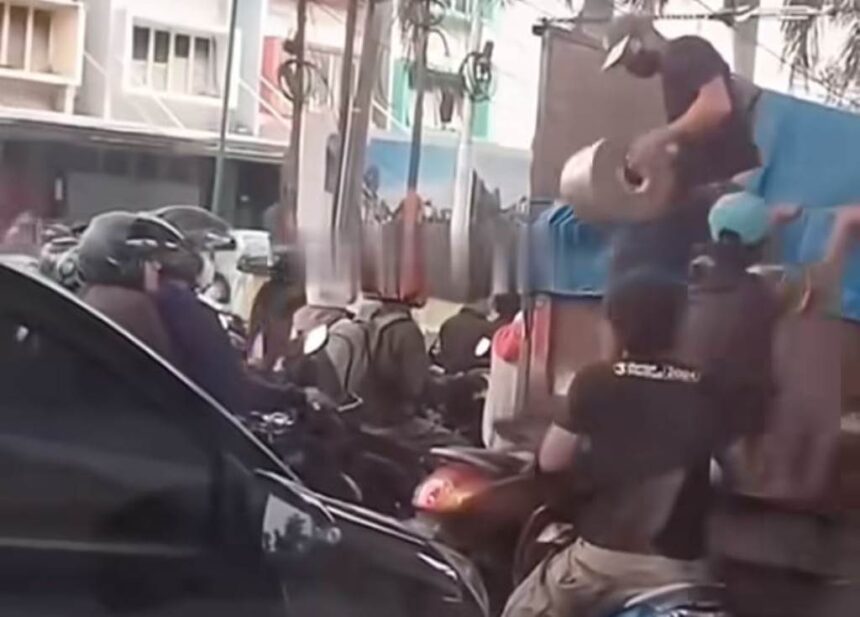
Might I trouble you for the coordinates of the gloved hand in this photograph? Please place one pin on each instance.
(318, 399)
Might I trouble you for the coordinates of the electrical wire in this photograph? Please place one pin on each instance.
(806, 73)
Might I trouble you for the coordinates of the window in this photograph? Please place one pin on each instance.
(203, 81)
(160, 59)
(173, 62)
(90, 459)
(16, 51)
(324, 84)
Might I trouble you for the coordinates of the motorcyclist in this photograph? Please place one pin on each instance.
(116, 261)
(399, 375)
(459, 334)
(141, 273)
(636, 437)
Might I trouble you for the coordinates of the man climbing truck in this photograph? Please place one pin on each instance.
(705, 130)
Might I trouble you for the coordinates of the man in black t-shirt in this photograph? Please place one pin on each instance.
(704, 124)
(636, 437)
(703, 114)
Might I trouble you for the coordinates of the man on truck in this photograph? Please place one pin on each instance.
(705, 131)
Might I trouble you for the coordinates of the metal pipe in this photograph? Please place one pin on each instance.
(218, 180)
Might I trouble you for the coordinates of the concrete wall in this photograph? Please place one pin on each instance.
(89, 194)
(93, 95)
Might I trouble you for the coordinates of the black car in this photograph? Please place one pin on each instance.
(125, 490)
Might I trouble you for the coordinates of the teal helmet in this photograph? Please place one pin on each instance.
(743, 214)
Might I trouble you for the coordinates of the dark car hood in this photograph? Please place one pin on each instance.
(391, 546)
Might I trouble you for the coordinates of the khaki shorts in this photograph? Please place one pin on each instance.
(584, 580)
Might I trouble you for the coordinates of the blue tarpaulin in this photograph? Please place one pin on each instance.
(809, 159)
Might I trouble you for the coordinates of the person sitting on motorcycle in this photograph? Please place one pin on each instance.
(399, 370)
(636, 439)
(460, 333)
(112, 259)
(140, 272)
(203, 348)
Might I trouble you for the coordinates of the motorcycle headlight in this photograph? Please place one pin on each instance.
(468, 574)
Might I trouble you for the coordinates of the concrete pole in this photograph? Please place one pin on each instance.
(218, 205)
(344, 110)
(420, 71)
(377, 17)
(745, 42)
(291, 169)
(461, 213)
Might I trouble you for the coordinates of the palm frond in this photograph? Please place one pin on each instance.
(850, 57)
(645, 6)
(801, 48)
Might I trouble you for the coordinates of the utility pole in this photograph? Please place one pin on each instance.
(218, 206)
(421, 36)
(461, 214)
(351, 173)
(291, 170)
(344, 114)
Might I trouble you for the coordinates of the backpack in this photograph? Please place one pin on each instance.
(353, 342)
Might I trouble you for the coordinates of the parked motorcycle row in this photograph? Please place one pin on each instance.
(481, 503)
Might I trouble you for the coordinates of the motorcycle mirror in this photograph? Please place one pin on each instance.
(483, 347)
(315, 340)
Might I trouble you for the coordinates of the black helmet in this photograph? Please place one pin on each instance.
(115, 246)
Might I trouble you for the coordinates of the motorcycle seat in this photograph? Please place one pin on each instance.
(678, 600)
(501, 463)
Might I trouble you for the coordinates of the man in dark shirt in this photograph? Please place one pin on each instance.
(704, 119)
(636, 437)
(459, 337)
(705, 128)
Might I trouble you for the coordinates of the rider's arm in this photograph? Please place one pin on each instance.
(558, 450)
(567, 437)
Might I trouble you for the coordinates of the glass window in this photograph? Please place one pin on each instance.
(17, 37)
(90, 458)
(204, 82)
(160, 57)
(180, 69)
(40, 59)
(140, 56)
(140, 44)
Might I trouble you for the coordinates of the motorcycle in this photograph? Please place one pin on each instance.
(460, 397)
(486, 505)
(331, 448)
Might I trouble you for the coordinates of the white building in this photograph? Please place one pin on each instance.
(41, 53)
